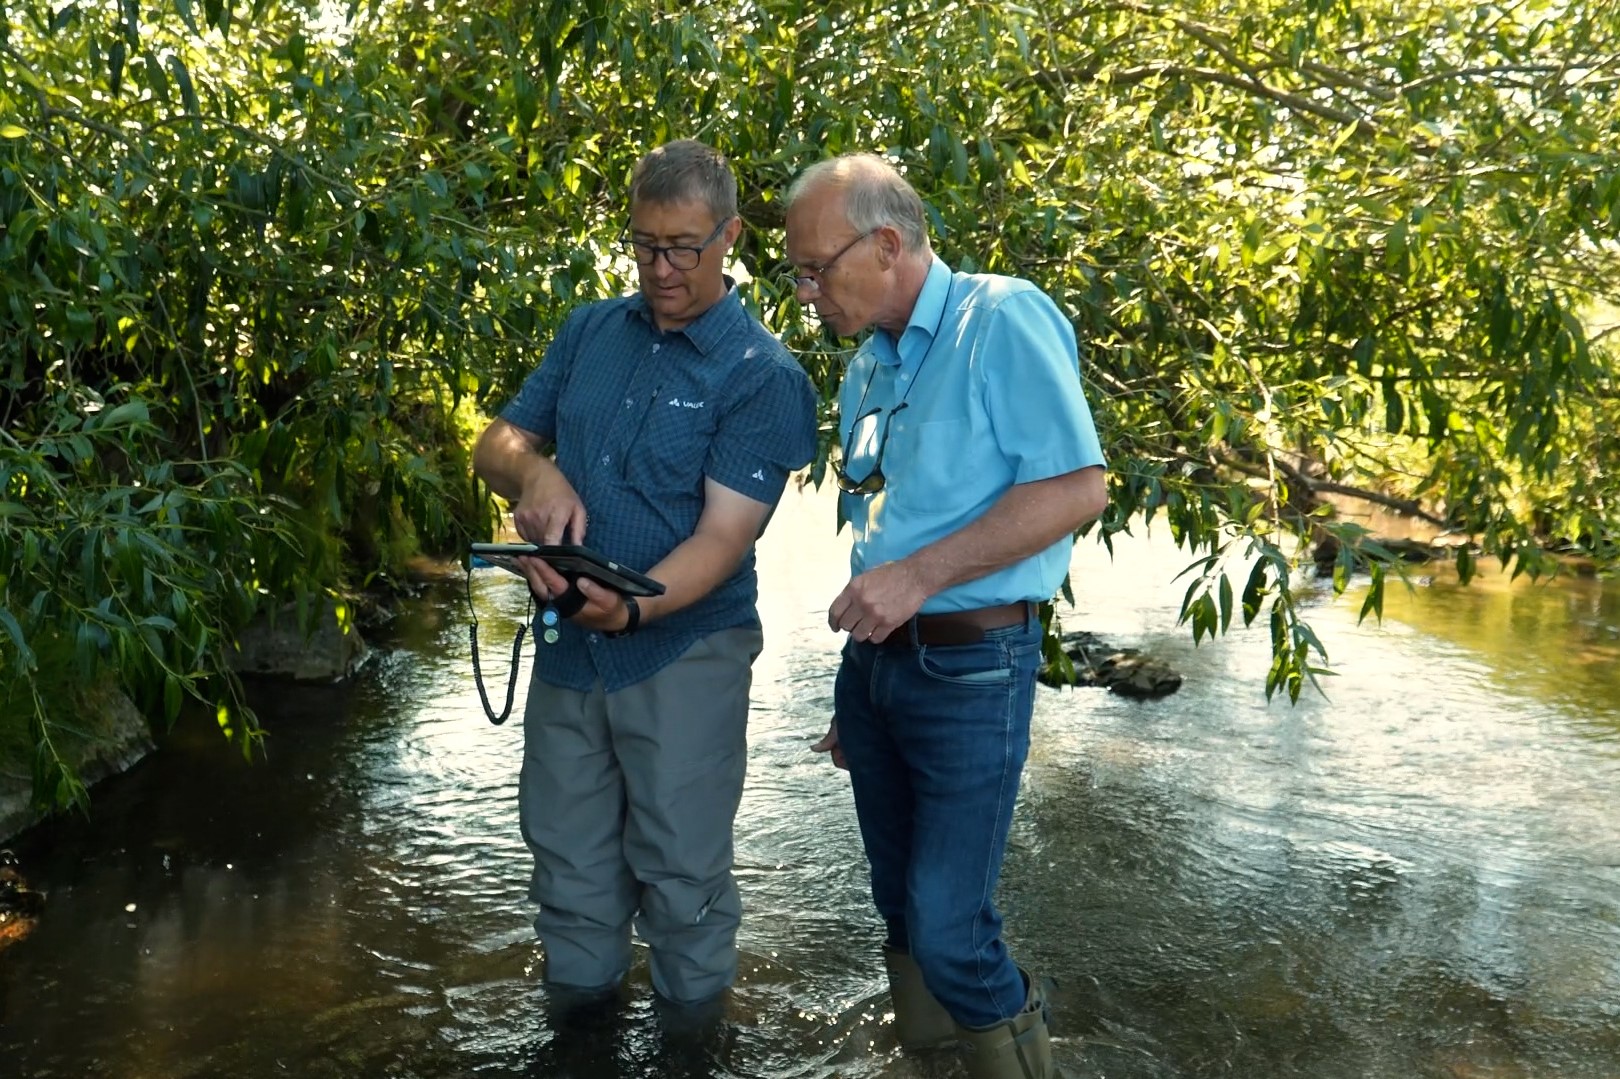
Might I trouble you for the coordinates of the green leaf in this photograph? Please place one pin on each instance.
(172, 698)
(25, 661)
(1254, 592)
(128, 414)
(182, 79)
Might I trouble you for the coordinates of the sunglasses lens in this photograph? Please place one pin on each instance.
(871, 485)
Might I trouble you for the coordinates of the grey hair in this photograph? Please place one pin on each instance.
(875, 195)
(686, 169)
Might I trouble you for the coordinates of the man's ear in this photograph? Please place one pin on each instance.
(732, 231)
(889, 246)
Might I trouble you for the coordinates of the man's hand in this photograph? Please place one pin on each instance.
(545, 507)
(604, 609)
(829, 744)
(549, 510)
(873, 604)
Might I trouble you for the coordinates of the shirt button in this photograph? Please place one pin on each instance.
(628, 402)
(606, 457)
(657, 347)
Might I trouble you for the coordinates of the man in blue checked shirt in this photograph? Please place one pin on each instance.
(969, 460)
(660, 430)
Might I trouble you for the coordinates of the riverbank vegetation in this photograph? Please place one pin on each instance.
(262, 264)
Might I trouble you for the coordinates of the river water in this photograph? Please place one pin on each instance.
(1415, 876)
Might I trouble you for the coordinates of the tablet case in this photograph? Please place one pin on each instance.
(571, 560)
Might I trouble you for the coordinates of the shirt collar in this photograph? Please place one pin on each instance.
(709, 328)
(927, 315)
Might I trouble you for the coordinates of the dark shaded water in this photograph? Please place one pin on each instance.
(1417, 877)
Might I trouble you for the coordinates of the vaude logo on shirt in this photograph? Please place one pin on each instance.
(676, 402)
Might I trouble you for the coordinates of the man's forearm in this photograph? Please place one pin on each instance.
(1024, 521)
(696, 567)
(509, 460)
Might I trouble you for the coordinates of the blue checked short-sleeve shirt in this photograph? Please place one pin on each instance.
(640, 418)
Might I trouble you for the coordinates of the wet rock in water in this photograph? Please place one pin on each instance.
(115, 737)
(1125, 671)
(279, 647)
(1131, 674)
(19, 904)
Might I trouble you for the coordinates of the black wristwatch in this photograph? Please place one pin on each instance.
(634, 609)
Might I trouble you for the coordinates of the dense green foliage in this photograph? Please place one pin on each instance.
(259, 265)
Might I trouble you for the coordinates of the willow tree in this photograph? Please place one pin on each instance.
(238, 322)
(258, 261)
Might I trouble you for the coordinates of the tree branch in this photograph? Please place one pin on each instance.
(1408, 506)
(1475, 72)
(1164, 69)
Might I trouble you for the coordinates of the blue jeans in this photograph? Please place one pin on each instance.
(935, 739)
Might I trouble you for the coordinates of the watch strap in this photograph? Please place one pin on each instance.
(630, 626)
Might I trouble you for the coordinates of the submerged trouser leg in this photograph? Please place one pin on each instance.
(571, 809)
(681, 738)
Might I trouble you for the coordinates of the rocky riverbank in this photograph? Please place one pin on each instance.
(112, 736)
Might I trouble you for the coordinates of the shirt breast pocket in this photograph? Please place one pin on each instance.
(927, 476)
(666, 453)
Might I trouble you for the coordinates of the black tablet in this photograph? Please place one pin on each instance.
(570, 560)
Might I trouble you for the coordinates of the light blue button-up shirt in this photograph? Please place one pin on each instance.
(989, 378)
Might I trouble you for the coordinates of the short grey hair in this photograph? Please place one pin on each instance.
(875, 195)
(686, 169)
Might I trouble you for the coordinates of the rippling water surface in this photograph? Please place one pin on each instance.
(1417, 876)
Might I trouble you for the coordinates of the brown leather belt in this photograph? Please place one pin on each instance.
(958, 627)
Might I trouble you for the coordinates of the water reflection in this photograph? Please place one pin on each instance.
(1419, 876)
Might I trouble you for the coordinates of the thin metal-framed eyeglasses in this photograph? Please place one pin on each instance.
(679, 256)
(874, 480)
(810, 277)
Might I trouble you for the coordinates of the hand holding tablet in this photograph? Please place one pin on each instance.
(572, 562)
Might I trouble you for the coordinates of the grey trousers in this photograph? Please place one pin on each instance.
(626, 801)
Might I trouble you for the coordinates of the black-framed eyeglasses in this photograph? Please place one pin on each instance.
(810, 277)
(874, 481)
(679, 256)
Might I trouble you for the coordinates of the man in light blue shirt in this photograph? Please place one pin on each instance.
(969, 460)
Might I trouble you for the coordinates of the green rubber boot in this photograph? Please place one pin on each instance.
(921, 1021)
(1016, 1048)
